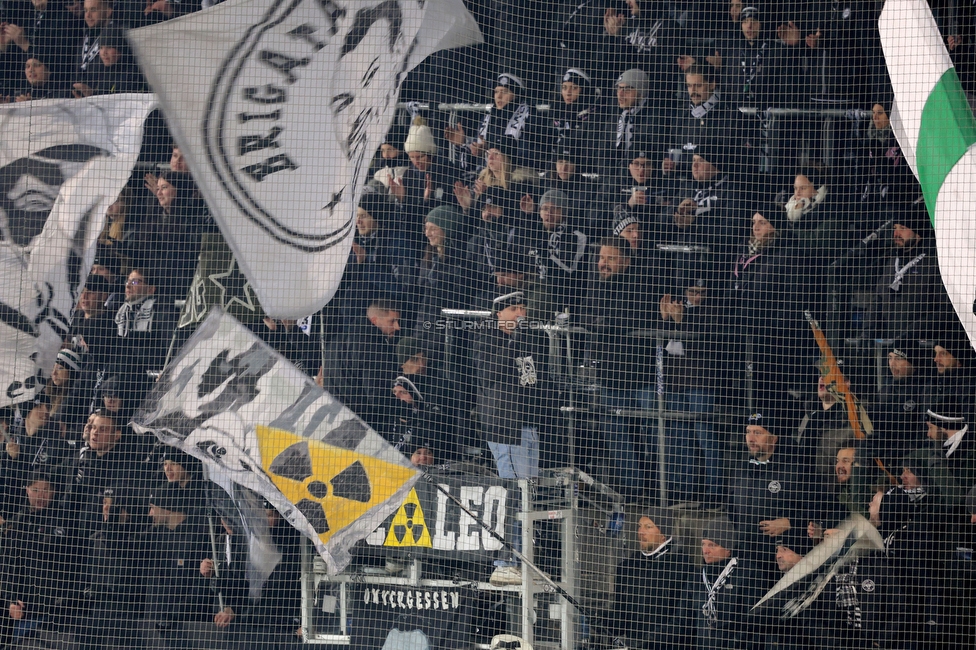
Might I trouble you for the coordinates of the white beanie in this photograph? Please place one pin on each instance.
(420, 138)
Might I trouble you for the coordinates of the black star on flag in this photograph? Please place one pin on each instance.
(234, 288)
(218, 281)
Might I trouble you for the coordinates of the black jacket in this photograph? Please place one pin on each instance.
(358, 369)
(39, 560)
(512, 377)
(732, 627)
(176, 591)
(651, 609)
(618, 307)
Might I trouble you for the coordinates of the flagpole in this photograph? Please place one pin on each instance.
(594, 620)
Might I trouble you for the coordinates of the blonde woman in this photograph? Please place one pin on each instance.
(498, 172)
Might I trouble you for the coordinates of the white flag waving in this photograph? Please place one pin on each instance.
(937, 132)
(62, 163)
(258, 421)
(279, 116)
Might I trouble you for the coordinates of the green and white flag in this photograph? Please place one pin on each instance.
(936, 130)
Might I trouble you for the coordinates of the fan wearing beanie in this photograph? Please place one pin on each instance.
(636, 120)
(510, 123)
(441, 277)
(560, 252)
(769, 291)
(427, 183)
(908, 290)
(379, 250)
(952, 448)
(649, 609)
(768, 495)
(904, 398)
(177, 596)
(573, 115)
(724, 591)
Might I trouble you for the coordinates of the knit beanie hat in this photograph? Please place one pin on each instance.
(662, 519)
(507, 300)
(446, 218)
(950, 335)
(420, 138)
(776, 216)
(589, 92)
(511, 82)
(579, 78)
(749, 12)
(70, 359)
(916, 218)
(909, 349)
(766, 420)
(721, 532)
(623, 216)
(636, 79)
(375, 203)
(557, 198)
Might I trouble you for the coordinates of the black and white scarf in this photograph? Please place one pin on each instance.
(514, 127)
(708, 609)
(706, 197)
(625, 126)
(645, 41)
(135, 316)
(700, 111)
(900, 271)
(749, 68)
(846, 596)
(89, 47)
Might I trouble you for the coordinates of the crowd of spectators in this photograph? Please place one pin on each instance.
(656, 194)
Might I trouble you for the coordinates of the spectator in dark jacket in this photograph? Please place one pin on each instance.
(768, 294)
(560, 252)
(43, 78)
(103, 496)
(768, 493)
(650, 604)
(176, 593)
(707, 118)
(359, 365)
(693, 375)
(115, 71)
(442, 283)
(380, 259)
(510, 364)
(899, 412)
(144, 324)
(724, 592)
(909, 293)
(618, 307)
(39, 563)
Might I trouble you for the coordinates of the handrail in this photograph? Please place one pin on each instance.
(463, 107)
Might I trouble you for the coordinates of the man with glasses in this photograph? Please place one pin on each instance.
(144, 324)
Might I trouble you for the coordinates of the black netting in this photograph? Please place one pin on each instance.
(644, 320)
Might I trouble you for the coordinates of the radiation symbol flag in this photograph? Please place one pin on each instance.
(332, 487)
(408, 527)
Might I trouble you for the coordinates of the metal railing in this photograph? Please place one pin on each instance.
(570, 371)
(772, 116)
